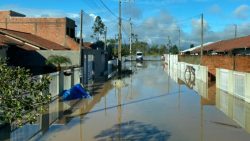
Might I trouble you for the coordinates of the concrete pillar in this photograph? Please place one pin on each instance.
(61, 82)
(44, 122)
(6, 23)
(87, 66)
(72, 76)
(5, 132)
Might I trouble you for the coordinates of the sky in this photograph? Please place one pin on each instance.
(154, 21)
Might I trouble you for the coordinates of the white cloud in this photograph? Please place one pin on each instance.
(242, 11)
(92, 15)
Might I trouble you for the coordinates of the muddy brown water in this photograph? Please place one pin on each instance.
(150, 106)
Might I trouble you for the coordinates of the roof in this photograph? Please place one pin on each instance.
(28, 41)
(193, 48)
(227, 45)
(88, 45)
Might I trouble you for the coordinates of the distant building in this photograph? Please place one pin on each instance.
(58, 30)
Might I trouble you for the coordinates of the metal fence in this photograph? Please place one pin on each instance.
(194, 76)
(234, 82)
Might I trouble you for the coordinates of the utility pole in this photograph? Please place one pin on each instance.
(130, 47)
(235, 30)
(105, 38)
(81, 61)
(120, 41)
(179, 30)
(81, 41)
(169, 45)
(202, 35)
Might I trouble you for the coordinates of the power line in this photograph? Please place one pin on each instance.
(108, 9)
(105, 6)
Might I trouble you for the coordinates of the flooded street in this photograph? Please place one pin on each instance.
(151, 105)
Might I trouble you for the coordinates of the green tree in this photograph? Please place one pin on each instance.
(174, 50)
(98, 28)
(58, 61)
(21, 96)
(98, 44)
(140, 46)
(153, 50)
(162, 49)
(191, 45)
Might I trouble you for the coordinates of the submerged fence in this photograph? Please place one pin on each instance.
(63, 80)
(235, 108)
(234, 82)
(194, 76)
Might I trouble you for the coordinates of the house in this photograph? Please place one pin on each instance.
(30, 51)
(236, 46)
(58, 30)
(28, 42)
(190, 50)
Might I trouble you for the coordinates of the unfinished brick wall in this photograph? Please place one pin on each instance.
(7, 14)
(242, 63)
(238, 63)
(53, 29)
(71, 43)
(47, 28)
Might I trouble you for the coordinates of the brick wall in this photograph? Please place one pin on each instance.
(71, 43)
(53, 29)
(239, 63)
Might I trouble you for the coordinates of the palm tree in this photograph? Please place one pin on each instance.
(58, 61)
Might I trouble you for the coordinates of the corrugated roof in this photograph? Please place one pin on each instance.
(30, 41)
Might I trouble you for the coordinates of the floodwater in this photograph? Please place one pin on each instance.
(150, 105)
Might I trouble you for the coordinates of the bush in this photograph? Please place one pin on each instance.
(21, 96)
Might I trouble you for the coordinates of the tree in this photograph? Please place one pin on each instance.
(21, 96)
(58, 61)
(140, 46)
(163, 49)
(174, 50)
(191, 45)
(98, 28)
(98, 44)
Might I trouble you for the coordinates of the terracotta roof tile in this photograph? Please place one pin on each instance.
(227, 45)
(31, 40)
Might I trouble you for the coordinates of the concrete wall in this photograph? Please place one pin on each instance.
(72, 55)
(99, 65)
(198, 80)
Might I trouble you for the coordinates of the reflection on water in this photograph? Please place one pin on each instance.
(153, 105)
(235, 108)
(133, 130)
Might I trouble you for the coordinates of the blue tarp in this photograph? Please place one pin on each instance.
(76, 92)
